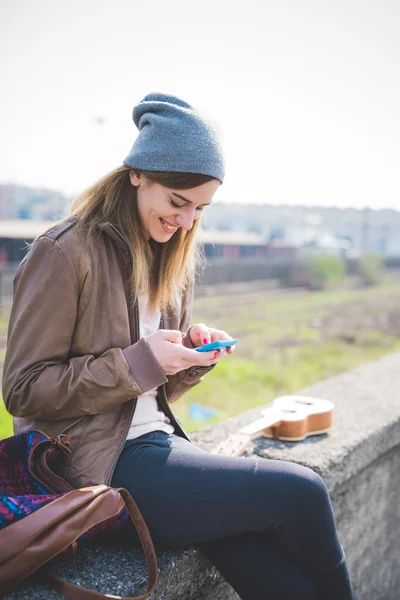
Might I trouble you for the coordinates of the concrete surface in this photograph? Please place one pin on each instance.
(360, 462)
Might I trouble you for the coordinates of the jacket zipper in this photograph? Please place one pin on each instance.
(123, 440)
(164, 402)
(169, 413)
(163, 396)
(134, 320)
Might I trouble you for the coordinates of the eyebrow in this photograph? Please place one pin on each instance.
(187, 200)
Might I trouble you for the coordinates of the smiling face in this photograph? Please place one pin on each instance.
(163, 210)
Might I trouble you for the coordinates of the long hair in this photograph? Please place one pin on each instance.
(158, 269)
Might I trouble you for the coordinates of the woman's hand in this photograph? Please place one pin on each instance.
(172, 356)
(200, 335)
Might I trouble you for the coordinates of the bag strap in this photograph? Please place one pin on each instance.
(78, 593)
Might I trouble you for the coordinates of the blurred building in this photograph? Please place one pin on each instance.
(241, 230)
(364, 230)
(23, 202)
(231, 244)
(16, 234)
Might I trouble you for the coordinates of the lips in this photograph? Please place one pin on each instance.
(168, 226)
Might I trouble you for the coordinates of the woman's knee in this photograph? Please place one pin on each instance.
(310, 505)
(311, 486)
(310, 493)
(289, 486)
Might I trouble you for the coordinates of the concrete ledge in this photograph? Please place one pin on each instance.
(183, 574)
(360, 462)
(366, 423)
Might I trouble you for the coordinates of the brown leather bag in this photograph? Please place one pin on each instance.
(28, 543)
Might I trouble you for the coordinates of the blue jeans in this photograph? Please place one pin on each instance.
(267, 525)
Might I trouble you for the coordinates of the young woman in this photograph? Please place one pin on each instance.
(100, 344)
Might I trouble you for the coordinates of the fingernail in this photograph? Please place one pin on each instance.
(216, 353)
(205, 341)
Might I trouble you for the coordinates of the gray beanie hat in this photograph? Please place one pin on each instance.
(174, 137)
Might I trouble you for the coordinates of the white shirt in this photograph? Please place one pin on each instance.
(148, 416)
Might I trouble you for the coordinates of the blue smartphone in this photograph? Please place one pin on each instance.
(216, 345)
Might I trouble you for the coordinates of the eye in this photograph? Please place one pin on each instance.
(175, 205)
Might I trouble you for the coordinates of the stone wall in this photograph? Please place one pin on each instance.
(360, 462)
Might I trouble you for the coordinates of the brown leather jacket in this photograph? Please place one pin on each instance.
(73, 360)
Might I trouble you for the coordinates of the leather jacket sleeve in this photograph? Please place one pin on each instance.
(40, 378)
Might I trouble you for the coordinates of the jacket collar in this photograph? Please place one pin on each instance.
(116, 235)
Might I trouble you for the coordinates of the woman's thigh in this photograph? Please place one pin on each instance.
(189, 496)
(186, 495)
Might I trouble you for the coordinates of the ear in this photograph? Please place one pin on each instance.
(135, 178)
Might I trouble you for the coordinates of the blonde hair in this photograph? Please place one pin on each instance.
(159, 269)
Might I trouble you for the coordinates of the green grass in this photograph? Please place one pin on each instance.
(5, 421)
(236, 385)
(287, 344)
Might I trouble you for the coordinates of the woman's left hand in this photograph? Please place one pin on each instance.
(201, 334)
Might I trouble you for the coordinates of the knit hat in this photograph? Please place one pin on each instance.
(174, 137)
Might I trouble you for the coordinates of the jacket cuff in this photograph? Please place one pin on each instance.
(143, 366)
(187, 342)
(194, 374)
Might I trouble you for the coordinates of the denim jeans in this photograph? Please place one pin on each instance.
(267, 525)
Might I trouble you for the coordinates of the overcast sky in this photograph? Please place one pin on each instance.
(307, 93)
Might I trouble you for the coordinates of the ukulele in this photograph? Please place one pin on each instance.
(288, 418)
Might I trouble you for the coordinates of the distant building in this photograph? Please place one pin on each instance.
(23, 202)
(279, 251)
(234, 230)
(364, 230)
(230, 244)
(16, 234)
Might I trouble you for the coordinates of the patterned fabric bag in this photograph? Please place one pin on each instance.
(41, 515)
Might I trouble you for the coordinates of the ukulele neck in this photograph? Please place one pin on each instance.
(237, 443)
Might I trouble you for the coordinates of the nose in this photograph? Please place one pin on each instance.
(185, 220)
